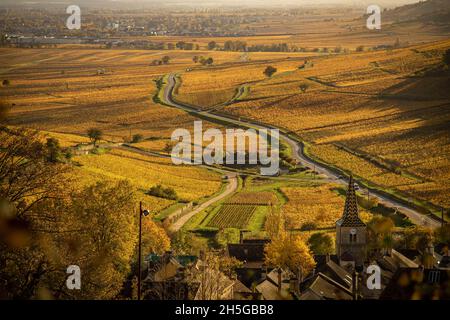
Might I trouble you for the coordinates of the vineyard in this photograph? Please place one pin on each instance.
(374, 113)
(316, 207)
(190, 183)
(232, 216)
(253, 198)
(70, 91)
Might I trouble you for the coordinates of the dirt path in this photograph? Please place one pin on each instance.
(229, 189)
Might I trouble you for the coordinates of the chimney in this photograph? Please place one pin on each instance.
(355, 285)
(279, 279)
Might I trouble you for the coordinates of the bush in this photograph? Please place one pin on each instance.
(270, 71)
(304, 87)
(163, 192)
(227, 235)
(307, 226)
(6, 83)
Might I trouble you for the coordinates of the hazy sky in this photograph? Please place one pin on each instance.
(214, 3)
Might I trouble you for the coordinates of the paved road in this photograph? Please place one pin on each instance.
(415, 216)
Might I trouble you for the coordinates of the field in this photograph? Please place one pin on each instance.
(232, 216)
(310, 208)
(253, 198)
(190, 183)
(382, 115)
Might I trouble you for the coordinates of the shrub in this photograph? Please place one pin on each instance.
(163, 192)
(307, 226)
(270, 71)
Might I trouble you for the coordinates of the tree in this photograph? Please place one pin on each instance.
(180, 45)
(53, 149)
(95, 135)
(417, 238)
(6, 83)
(212, 45)
(289, 252)
(195, 59)
(304, 87)
(28, 185)
(165, 59)
(321, 243)
(26, 177)
(209, 61)
(269, 71)
(154, 238)
(106, 241)
(442, 234)
(446, 57)
(137, 138)
(380, 233)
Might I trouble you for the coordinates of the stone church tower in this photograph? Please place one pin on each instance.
(351, 232)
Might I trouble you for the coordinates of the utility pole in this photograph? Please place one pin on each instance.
(145, 213)
(139, 253)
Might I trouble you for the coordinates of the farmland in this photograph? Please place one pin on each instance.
(382, 115)
(263, 198)
(313, 207)
(232, 216)
(190, 183)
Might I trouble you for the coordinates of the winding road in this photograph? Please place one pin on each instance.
(415, 216)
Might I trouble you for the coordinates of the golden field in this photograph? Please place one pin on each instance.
(318, 205)
(70, 91)
(375, 113)
(191, 183)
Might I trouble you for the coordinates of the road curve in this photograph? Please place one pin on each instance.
(415, 216)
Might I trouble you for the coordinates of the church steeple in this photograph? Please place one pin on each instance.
(350, 217)
(351, 232)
